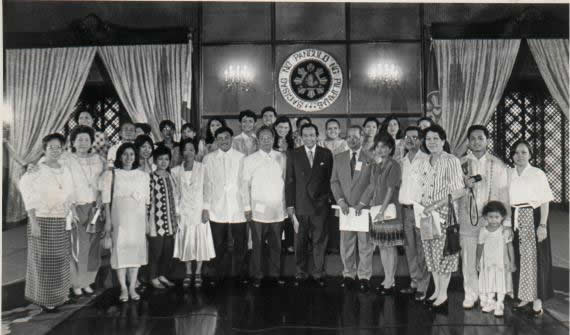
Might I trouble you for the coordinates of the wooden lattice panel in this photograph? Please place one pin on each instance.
(536, 117)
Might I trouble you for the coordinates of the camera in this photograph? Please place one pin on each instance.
(476, 178)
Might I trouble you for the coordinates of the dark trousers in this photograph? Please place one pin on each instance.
(270, 232)
(287, 227)
(230, 244)
(160, 252)
(315, 225)
(333, 232)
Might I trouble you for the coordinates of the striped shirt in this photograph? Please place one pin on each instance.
(439, 180)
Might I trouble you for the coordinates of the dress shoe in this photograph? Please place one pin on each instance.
(299, 280)
(408, 290)
(419, 296)
(256, 283)
(87, 290)
(441, 308)
(499, 310)
(469, 303)
(50, 309)
(77, 292)
(364, 285)
(280, 281)
(385, 291)
(488, 307)
(347, 282)
(320, 282)
(522, 308)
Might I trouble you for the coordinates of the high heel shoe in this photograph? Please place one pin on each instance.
(124, 297)
(134, 296)
(536, 313)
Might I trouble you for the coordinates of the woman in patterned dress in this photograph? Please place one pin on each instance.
(86, 168)
(440, 175)
(163, 219)
(530, 196)
(125, 191)
(48, 195)
(194, 241)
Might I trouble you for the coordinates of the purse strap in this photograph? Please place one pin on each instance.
(112, 188)
(451, 217)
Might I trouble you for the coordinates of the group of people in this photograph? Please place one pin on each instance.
(211, 198)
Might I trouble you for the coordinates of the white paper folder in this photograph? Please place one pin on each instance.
(352, 222)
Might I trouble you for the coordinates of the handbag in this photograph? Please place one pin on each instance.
(452, 245)
(390, 230)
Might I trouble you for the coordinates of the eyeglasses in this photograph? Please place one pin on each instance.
(413, 138)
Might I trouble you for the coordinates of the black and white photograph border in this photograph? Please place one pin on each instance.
(204, 167)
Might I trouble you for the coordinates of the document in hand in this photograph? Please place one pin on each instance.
(389, 213)
(352, 222)
(419, 213)
(295, 224)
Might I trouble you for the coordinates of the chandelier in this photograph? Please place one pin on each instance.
(385, 75)
(238, 77)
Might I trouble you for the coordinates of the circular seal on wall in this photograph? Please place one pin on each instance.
(310, 80)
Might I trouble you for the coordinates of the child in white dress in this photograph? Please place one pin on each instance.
(495, 259)
(194, 240)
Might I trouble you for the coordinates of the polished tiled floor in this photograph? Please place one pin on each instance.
(289, 310)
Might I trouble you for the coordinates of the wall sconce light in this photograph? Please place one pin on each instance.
(238, 77)
(385, 75)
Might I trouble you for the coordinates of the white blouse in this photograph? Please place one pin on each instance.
(133, 184)
(85, 172)
(50, 191)
(530, 187)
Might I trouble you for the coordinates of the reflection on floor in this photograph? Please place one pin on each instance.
(290, 310)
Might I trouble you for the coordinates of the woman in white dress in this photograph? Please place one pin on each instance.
(194, 240)
(126, 196)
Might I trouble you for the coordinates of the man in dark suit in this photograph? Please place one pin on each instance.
(350, 177)
(308, 196)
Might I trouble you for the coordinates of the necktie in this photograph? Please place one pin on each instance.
(352, 164)
(311, 158)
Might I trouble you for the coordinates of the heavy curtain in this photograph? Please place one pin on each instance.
(551, 55)
(152, 81)
(42, 88)
(472, 77)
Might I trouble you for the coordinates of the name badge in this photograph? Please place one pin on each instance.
(358, 166)
(260, 208)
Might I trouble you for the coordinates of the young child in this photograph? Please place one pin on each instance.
(495, 259)
(163, 221)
